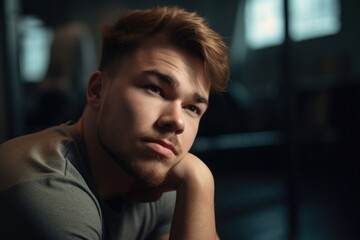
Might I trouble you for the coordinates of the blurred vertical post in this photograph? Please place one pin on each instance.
(3, 122)
(288, 96)
(11, 109)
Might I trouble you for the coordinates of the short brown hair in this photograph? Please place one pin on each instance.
(184, 29)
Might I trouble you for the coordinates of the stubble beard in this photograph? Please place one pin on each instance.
(144, 175)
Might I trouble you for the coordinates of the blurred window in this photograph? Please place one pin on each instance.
(35, 41)
(264, 23)
(313, 18)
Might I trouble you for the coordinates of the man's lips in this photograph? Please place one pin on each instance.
(163, 143)
(168, 145)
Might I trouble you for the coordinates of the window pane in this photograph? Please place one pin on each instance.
(35, 49)
(313, 18)
(264, 23)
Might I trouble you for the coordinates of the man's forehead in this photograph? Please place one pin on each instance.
(159, 54)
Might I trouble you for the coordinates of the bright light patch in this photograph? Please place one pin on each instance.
(264, 23)
(313, 18)
(35, 49)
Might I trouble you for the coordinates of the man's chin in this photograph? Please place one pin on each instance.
(149, 175)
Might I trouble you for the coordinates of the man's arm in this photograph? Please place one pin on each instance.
(194, 216)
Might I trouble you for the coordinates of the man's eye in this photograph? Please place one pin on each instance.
(154, 89)
(194, 109)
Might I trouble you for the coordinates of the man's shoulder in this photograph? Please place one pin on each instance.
(55, 134)
(31, 156)
(49, 208)
(48, 142)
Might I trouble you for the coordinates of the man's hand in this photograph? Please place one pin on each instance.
(194, 216)
(187, 168)
(190, 168)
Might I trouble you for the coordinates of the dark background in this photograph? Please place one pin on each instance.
(282, 142)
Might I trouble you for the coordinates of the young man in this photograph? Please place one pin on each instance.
(124, 170)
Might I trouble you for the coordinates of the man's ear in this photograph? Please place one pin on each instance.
(95, 90)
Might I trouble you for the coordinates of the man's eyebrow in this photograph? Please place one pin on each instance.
(163, 77)
(200, 99)
(174, 83)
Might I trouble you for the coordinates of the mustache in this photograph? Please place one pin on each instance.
(169, 137)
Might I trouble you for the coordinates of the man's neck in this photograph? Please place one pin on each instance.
(110, 180)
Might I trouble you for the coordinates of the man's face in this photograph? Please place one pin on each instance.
(151, 109)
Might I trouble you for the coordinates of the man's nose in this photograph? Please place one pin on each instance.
(171, 119)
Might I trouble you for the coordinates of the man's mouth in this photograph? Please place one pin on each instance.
(163, 147)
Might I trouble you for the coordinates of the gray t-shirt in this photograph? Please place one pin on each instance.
(46, 193)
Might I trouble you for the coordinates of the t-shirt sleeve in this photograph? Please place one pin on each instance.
(166, 207)
(52, 208)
